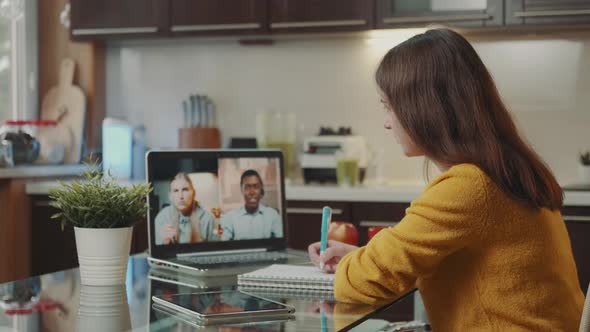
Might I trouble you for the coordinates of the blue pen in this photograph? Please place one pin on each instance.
(323, 319)
(326, 218)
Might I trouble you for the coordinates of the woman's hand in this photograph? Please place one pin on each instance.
(334, 252)
(169, 234)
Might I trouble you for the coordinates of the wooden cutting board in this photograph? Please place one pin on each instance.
(66, 104)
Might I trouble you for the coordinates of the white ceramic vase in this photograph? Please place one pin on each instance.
(584, 173)
(103, 308)
(103, 255)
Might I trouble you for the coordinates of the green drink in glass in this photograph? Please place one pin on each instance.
(347, 171)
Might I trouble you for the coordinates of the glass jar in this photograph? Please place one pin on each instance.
(25, 147)
(53, 143)
(276, 130)
(6, 158)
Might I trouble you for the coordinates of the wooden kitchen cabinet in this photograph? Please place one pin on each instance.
(51, 248)
(91, 19)
(577, 221)
(206, 17)
(547, 12)
(304, 220)
(461, 13)
(320, 15)
(373, 214)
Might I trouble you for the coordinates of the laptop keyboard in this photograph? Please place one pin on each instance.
(267, 256)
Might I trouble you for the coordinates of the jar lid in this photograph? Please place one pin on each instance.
(30, 122)
(42, 122)
(14, 122)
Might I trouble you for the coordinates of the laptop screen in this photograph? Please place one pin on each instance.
(215, 200)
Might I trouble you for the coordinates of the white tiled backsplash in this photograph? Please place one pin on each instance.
(545, 82)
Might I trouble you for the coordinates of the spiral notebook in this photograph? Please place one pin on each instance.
(291, 293)
(288, 276)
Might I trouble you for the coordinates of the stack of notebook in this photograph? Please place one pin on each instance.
(292, 293)
(288, 276)
(293, 281)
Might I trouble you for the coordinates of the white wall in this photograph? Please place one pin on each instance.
(330, 82)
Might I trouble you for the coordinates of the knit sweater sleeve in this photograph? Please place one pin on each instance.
(448, 216)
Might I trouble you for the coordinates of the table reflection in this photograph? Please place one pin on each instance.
(57, 302)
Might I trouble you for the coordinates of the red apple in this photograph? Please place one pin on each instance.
(373, 230)
(343, 232)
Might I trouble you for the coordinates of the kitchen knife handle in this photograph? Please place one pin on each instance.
(186, 114)
(203, 111)
(196, 111)
(211, 111)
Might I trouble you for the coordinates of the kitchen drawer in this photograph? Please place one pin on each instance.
(320, 15)
(366, 215)
(577, 221)
(304, 220)
(213, 17)
(52, 249)
(547, 12)
(92, 19)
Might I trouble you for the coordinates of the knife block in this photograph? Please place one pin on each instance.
(199, 138)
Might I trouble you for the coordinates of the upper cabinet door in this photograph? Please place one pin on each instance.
(464, 13)
(321, 15)
(531, 12)
(95, 18)
(218, 16)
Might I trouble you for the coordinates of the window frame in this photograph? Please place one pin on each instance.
(24, 72)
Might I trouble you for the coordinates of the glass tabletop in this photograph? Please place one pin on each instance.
(58, 302)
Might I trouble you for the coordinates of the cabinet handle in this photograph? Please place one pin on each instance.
(436, 18)
(311, 211)
(576, 218)
(113, 31)
(314, 24)
(209, 27)
(377, 223)
(552, 13)
(42, 203)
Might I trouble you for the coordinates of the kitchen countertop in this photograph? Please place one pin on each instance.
(34, 171)
(382, 193)
(392, 192)
(41, 187)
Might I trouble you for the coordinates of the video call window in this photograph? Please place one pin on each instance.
(230, 199)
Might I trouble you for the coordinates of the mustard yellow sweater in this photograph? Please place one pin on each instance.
(481, 260)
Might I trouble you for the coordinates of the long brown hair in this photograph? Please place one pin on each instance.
(447, 102)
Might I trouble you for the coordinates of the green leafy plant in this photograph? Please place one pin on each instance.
(585, 158)
(99, 201)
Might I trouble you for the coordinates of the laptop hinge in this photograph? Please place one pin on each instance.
(222, 252)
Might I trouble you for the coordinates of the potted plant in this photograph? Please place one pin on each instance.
(584, 167)
(103, 214)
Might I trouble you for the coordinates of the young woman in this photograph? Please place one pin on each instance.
(485, 243)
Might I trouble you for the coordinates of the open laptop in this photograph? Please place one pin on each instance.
(217, 212)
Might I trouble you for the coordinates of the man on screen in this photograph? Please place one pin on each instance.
(184, 221)
(253, 220)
